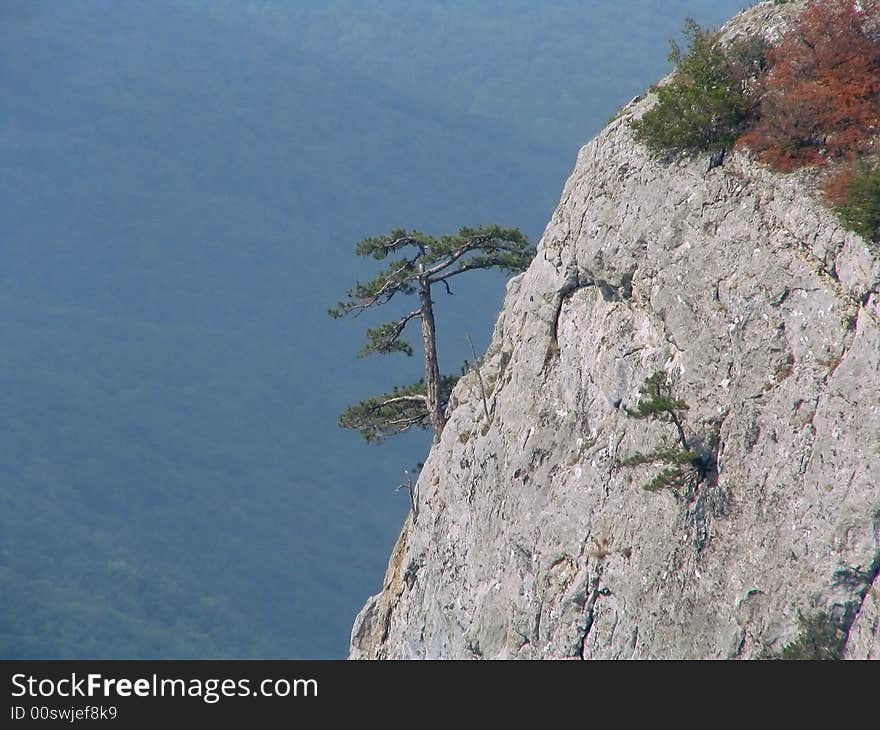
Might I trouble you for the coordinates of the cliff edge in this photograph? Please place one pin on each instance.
(532, 540)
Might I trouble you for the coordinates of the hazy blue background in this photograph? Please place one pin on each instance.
(181, 186)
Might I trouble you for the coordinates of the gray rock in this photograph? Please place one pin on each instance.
(534, 542)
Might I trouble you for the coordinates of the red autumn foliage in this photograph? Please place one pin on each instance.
(821, 97)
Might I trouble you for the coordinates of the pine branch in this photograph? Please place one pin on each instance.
(399, 277)
(378, 247)
(387, 338)
(674, 478)
(400, 410)
(507, 248)
(657, 402)
(512, 263)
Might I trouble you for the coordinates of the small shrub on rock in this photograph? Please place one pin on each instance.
(681, 467)
(705, 105)
(854, 194)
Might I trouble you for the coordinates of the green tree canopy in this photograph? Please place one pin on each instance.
(705, 104)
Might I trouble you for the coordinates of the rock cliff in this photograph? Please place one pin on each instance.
(531, 539)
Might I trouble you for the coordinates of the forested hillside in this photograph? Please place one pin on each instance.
(551, 69)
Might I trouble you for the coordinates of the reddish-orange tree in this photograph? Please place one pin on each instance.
(821, 97)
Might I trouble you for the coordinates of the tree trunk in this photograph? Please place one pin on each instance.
(432, 370)
(682, 439)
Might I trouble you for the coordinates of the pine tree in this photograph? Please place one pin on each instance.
(681, 466)
(418, 262)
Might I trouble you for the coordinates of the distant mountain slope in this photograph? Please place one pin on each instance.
(556, 68)
(159, 125)
(180, 202)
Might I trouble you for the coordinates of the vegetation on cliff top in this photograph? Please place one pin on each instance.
(704, 107)
(811, 99)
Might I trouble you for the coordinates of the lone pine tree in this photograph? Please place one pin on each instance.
(418, 262)
(681, 465)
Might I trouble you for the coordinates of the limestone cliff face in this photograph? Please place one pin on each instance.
(532, 541)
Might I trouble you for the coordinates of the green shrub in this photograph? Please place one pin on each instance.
(705, 105)
(856, 199)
